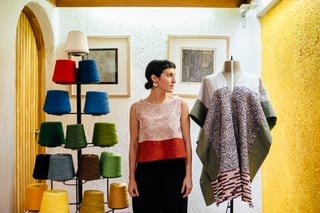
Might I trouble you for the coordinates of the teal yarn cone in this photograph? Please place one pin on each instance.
(110, 164)
(51, 134)
(75, 137)
(104, 134)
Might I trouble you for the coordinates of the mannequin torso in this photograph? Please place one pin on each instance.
(231, 76)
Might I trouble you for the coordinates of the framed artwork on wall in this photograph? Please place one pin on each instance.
(196, 57)
(107, 63)
(112, 55)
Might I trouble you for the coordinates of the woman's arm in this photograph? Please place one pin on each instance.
(185, 128)
(133, 149)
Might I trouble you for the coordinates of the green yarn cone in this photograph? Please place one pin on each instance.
(110, 165)
(51, 134)
(75, 137)
(104, 134)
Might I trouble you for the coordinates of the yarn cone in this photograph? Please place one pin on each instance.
(88, 72)
(104, 134)
(54, 201)
(34, 194)
(75, 137)
(41, 167)
(89, 167)
(96, 103)
(110, 164)
(118, 196)
(57, 102)
(92, 202)
(51, 134)
(65, 72)
(61, 167)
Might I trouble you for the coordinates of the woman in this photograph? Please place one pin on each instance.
(160, 177)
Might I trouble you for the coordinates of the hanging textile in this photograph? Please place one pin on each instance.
(234, 138)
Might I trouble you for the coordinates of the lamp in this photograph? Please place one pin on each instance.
(77, 43)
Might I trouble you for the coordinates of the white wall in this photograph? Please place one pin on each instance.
(148, 29)
(9, 15)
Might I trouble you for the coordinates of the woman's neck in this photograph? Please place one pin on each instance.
(157, 98)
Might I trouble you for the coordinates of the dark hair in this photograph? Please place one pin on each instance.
(156, 67)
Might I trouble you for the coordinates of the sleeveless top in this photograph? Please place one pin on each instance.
(160, 135)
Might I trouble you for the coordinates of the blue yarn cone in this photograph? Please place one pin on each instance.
(96, 103)
(57, 102)
(88, 72)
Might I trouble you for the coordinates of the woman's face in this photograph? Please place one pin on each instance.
(167, 80)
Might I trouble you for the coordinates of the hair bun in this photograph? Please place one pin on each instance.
(148, 85)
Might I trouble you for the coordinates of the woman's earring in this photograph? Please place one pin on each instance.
(155, 84)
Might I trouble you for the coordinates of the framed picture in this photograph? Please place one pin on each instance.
(196, 57)
(112, 55)
(107, 63)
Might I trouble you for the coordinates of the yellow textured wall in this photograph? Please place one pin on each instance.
(290, 70)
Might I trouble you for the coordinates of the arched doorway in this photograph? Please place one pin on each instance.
(30, 84)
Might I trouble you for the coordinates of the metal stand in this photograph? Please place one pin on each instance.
(230, 206)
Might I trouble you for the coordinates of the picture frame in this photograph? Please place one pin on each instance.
(107, 63)
(196, 57)
(112, 54)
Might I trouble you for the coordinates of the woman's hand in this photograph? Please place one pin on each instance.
(186, 186)
(133, 189)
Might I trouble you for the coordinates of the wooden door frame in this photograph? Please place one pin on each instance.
(39, 71)
(41, 54)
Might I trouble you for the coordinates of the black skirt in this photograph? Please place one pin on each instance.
(159, 184)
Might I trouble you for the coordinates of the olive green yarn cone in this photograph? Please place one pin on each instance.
(75, 137)
(104, 134)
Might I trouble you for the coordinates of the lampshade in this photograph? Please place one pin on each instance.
(77, 43)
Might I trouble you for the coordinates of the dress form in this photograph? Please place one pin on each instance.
(231, 72)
